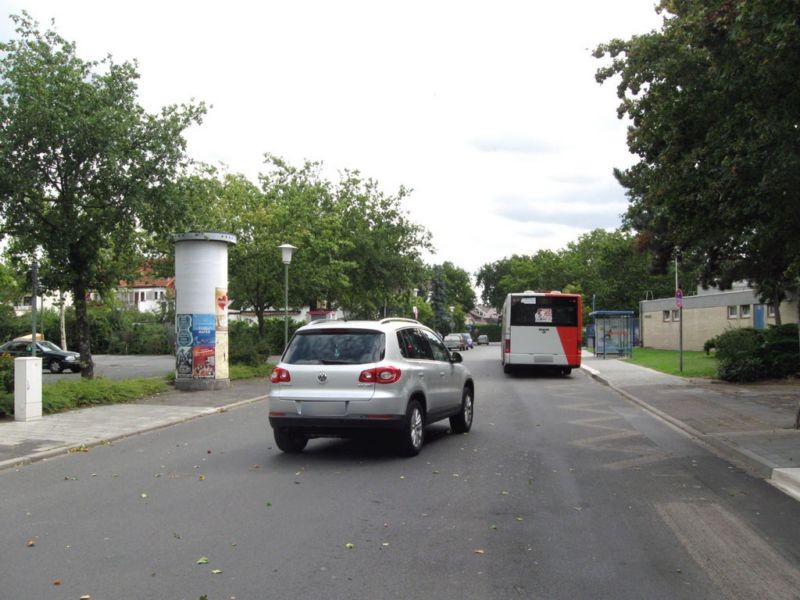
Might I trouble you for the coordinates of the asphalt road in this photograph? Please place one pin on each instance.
(121, 367)
(561, 490)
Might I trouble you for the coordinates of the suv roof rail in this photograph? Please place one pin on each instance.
(319, 321)
(399, 320)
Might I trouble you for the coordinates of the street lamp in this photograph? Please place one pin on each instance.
(286, 255)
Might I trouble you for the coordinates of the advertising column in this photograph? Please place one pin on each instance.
(201, 310)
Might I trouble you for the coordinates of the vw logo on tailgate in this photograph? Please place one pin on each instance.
(322, 377)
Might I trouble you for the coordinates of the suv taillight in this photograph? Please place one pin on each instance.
(280, 375)
(508, 345)
(380, 375)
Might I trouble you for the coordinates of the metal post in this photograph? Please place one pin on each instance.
(286, 306)
(680, 337)
(35, 285)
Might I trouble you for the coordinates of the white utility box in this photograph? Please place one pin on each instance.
(27, 388)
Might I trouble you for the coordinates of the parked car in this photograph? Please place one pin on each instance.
(339, 378)
(455, 341)
(483, 339)
(468, 341)
(53, 358)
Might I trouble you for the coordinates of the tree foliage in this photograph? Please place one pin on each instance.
(713, 99)
(83, 167)
(356, 247)
(602, 266)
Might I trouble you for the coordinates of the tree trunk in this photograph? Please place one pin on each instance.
(260, 319)
(84, 332)
(62, 320)
(776, 301)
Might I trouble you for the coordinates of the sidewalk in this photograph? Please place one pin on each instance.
(24, 442)
(750, 425)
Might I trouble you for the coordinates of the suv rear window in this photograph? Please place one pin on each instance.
(336, 347)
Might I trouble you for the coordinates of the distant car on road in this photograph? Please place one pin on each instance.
(53, 358)
(483, 339)
(455, 341)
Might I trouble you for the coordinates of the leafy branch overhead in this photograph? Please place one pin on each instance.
(713, 100)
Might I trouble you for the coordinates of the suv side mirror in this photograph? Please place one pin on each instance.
(455, 357)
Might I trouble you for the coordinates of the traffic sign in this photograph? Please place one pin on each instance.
(679, 298)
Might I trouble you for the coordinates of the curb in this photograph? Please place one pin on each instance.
(786, 480)
(65, 448)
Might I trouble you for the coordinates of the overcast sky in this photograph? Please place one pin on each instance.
(489, 111)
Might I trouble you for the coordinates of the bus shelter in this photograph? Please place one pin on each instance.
(614, 332)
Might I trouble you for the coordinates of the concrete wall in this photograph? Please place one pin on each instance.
(704, 316)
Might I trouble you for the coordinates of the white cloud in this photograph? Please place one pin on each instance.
(467, 103)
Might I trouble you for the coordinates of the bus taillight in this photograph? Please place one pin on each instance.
(508, 345)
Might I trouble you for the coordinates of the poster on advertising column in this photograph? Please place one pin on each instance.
(221, 308)
(184, 342)
(203, 330)
(221, 355)
(203, 361)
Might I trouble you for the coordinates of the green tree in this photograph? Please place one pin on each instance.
(83, 167)
(713, 99)
(385, 246)
(459, 287)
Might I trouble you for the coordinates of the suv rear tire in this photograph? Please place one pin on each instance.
(462, 422)
(412, 436)
(290, 441)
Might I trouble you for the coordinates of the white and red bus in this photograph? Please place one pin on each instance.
(542, 330)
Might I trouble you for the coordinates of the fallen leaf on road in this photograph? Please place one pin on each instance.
(216, 571)
(202, 478)
(203, 560)
(520, 519)
(349, 546)
(57, 582)
(31, 543)
(480, 552)
(144, 495)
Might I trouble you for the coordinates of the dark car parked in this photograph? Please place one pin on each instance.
(53, 358)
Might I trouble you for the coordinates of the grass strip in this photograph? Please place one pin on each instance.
(695, 364)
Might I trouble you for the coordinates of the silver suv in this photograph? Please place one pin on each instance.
(337, 378)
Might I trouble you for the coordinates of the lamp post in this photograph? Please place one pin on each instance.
(286, 255)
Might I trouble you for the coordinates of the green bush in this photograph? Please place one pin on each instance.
(781, 352)
(748, 354)
(7, 373)
(739, 355)
(245, 347)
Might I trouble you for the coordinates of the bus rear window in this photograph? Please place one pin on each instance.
(544, 311)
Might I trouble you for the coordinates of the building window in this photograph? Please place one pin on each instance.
(733, 312)
(771, 310)
(676, 314)
(744, 311)
(666, 315)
